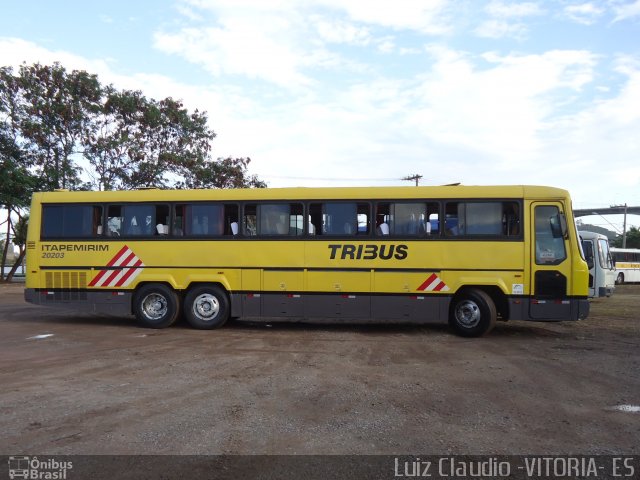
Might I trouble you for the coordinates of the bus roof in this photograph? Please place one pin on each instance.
(585, 234)
(304, 193)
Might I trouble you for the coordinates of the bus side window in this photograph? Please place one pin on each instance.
(406, 218)
(138, 220)
(587, 247)
(284, 219)
(161, 225)
(383, 219)
(178, 221)
(511, 219)
(550, 248)
(482, 218)
(315, 219)
(114, 221)
(230, 219)
(249, 220)
(71, 221)
(451, 226)
(343, 218)
(194, 219)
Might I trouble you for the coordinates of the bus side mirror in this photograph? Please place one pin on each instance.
(559, 226)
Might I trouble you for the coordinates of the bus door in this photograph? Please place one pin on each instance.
(587, 248)
(550, 262)
(606, 269)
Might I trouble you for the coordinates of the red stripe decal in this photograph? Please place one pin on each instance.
(97, 278)
(102, 273)
(118, 255)
(439, 287)
(427, 282)
(129, 273)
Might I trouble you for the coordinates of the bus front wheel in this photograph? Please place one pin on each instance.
(156, 305)
(473, 313)
(206, 307)
(620, 279)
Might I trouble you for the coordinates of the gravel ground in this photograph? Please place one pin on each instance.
(78, 384)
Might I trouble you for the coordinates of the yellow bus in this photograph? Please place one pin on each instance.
(467, 255)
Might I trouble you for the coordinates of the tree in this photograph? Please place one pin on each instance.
(168, 142)
(19, 240)
(223, 173)
(633, 238)
(16, 186)
(55, 118)
(112, 137)
(50, 119)
(56, 112)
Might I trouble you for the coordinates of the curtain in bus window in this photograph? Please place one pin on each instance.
(139, 220)
(408, 219)
(273, 219)
(204, 219)
(340, 219)
(482, 218)
(70, 221)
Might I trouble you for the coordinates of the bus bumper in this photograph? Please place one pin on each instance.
(583, 309)
(605, 291)
(537, 310)
(110, 302)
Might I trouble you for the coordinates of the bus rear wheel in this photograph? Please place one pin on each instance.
(156, 305)
(206, 307)
(620, 279)
(472, 313)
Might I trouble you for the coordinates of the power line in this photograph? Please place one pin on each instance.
(333, 179)
(415, 177)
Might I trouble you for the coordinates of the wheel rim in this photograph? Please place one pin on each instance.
(467, 314)
(206, 307)
(154, 306)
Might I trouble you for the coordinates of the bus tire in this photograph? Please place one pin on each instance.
(620, 279)
(156, 305)
(206, 307)
(472, 313)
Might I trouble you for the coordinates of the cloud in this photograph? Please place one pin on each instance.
(280, 42)
(338, 31)
(584, 13)
(498, 108)
(287, 92)
(255, 47)
(505, 19)
(416, 15)
(513, 10)
(499, 29)
(626, 11)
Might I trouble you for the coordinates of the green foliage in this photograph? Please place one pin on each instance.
(20, 235)
(51, 119)
(633, 238)
(55, 118)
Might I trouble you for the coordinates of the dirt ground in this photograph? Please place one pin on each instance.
(78, 384)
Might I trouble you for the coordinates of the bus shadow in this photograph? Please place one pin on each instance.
(502, 329)
(378, 329)
(524, 329)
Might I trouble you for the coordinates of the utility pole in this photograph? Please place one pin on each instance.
(624, 224)
(415, 177)
(624, 227)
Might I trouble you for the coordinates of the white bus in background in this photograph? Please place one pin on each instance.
(602, 273)
(627, 264)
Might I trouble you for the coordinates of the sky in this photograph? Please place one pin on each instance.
(367, 92)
